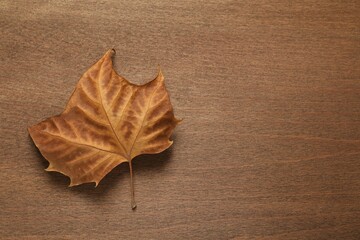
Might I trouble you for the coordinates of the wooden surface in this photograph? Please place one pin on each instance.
(270, 96)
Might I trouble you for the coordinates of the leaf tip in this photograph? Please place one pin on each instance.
(133, 206)
(30, 129)
(49, 168)
(160, 75)
(112, 51)
(178, 121)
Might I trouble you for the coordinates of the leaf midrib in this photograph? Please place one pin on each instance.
(108, 119)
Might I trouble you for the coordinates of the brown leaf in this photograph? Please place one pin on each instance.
(107, 121)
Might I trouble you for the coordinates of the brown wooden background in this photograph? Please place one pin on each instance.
(270, 96)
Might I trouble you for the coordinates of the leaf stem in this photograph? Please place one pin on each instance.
(133, 203)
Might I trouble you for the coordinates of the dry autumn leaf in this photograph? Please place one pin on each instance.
(107, 121)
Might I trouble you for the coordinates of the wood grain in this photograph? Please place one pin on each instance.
(270, 96)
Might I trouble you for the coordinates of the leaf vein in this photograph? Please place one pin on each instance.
(143, 120)
(94, 167)
(127, 103)
(102, 105)
(81, 144)
(91, 118)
